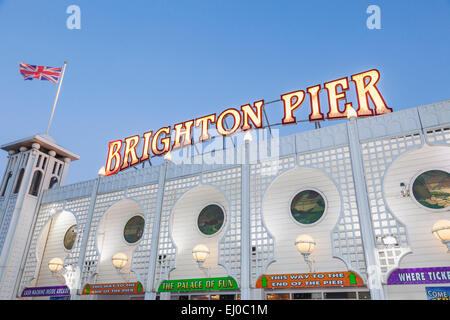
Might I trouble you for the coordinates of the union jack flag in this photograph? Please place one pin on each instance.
(30, 72)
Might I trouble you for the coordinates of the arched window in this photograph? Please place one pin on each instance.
(19, 180)
(6, 183)
(53, 182)
(35, 183)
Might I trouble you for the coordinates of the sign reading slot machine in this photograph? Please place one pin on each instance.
(113, 288)
(310, 280)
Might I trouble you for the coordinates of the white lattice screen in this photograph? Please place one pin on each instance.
(382, 140)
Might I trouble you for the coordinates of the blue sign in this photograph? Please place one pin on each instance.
(60, 298)
(438, 293)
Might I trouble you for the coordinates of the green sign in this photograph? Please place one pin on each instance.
(204, 284)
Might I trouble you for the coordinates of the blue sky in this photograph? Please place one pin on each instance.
(139, 65)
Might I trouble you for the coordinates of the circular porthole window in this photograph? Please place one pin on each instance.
(307, 207)
(70, 236)
(134, 229)
(211, 219)
(432, 189)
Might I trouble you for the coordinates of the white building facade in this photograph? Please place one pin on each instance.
(356, 189)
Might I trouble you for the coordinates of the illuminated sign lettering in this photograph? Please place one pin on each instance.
(310, 280)
(202, 284)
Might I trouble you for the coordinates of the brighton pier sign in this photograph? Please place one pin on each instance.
(123, 154)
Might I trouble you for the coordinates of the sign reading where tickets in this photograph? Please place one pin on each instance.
(60, 291)
(419, 276)
(203, 284)
(310, 280)
(113, 288)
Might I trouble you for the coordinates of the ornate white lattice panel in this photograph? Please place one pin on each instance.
(102, 203)
(389, 258)
(438, 136)
(146, 196)
(262, 242)
(229, 182)
(346, 235)
(173, 190)
(80, 209)
(6, 219)
(377, 157)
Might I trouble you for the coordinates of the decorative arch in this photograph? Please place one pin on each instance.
(397, 254)
(19, 180)
(206, 187)
(35, 183)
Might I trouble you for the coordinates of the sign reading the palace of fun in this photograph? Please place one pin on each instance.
(309, 280)
(204, 284)
(123, 154)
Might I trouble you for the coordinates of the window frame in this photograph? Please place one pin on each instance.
(221, 227)
(411, 193)
(124, 226)
(74, 241)
(325, 210)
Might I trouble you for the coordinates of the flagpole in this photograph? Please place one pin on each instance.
(56, 98)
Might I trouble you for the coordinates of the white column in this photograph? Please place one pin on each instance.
(245, 225)
(7, 255)
(362, 200)
(150, 290)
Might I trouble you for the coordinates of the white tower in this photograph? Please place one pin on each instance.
(35, 164)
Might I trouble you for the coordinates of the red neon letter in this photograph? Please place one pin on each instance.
(164, 141)
(113, 153)
(236, 118)
(130, 150)
(370, 90)
(145, 154)
(255, 117)
(186, 133)
(334, 97)
(316, 114)
(203, 122)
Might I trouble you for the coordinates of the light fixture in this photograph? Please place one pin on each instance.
(119, 260)
(168, 157)
(351, 113)
(404, 190)
(55, 265)
(389, 241)
(200, 253)
(441, 230)
(248, 137)
(305, 245)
